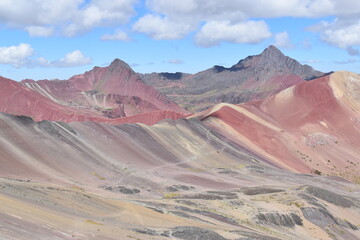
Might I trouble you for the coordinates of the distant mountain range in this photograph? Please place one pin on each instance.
(253, 78)
(106, 94)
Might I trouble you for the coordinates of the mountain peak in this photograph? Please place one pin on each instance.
(271, 48)
(272, 52)
(117, 63)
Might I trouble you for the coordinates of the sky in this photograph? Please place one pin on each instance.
(56, 39)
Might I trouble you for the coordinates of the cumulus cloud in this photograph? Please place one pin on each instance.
(344, 31)
(67, 17)
(117, 36)
(162, 27)
(38, 31)
(22, 56)
(176, 19)
(235, 10)
(100, 13)
(341, 33)
(282, 40)
(16, 56)
(72, 59)
(37, 12)
(213, 33)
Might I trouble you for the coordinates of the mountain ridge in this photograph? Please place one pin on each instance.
(103, 94)
(253, 78)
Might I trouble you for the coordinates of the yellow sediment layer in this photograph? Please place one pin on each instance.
(346, 86)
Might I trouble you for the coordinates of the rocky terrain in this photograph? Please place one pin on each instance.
(284, 167)
(253, 78)
(174, 180)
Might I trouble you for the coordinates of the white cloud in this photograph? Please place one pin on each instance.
(100, 13)
(41, 61)
(67, 17)
(73, 59)
(38, 31)
(282, 40)
(16, 56)
(344, 31)
(341, 34)
(117, 36)
(162, 27)
(199, 10)
(213, 33)
(22, 56)
(233, 10)
(37, 12)
(175, 61)
(176, 19)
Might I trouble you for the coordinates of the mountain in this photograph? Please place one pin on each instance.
(280, 168)
(110, 94)
(120, 80)
(89, 180)
(312, 127)
(106, 94)
(253, 78)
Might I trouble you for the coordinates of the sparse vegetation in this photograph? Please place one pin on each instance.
(98, 176)
(298, 204)
(92, 222)
(171, 195)
(317, 172)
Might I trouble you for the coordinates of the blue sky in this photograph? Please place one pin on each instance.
(47, 39)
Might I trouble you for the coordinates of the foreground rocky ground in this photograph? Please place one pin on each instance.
(174, 180)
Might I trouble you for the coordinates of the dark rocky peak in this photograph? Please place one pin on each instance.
(118, 64)
(271, 52)
(274, 61)
(270, 55)
(218, 68)
(274, 58)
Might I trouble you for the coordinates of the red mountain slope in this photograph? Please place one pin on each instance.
(102, 95)
(120, 79)
(311, 127)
